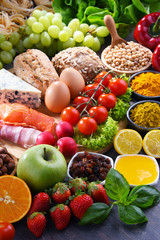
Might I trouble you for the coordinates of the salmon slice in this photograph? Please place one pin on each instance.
(18, 114)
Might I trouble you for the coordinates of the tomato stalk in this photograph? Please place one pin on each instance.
(95, 91)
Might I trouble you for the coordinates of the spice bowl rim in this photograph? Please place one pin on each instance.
(138, 127)
(93, 153)
(151, 157)
(140, 96)
(128, 73)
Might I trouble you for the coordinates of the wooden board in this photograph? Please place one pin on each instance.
(17, 150)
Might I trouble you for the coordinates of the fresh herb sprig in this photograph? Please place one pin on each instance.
(129, 203)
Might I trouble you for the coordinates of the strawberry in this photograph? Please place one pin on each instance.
(61, 215)
(41, 203)
(77, 184)
(98, 192)
(36, 223)
(60, 193)
(80, 204)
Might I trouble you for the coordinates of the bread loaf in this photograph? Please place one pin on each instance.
(34, 67)
(83, 59)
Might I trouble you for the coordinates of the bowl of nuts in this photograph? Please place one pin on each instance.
(8, 162)
(90, 165)
(127, 58)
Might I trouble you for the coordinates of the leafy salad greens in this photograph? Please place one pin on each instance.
(125, 12)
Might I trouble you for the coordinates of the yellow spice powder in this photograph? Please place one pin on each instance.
(147, 84)
(146, 115)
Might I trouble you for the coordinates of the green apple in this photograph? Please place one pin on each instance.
(42, 166)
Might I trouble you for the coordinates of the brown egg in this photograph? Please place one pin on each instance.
(74, 81)
(57, 96)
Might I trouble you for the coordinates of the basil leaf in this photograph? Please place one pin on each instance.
(147, 196)
(131, 214)
(97, 213)
(116, 185)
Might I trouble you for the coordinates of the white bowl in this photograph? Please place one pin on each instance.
(72, 159)
(150, 157)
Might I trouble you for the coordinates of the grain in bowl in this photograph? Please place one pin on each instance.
(129, 57)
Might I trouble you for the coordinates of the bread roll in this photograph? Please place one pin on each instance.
(34, 67)
(83, 59)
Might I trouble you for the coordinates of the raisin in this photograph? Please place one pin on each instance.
(1, 162)
(4, 169)
(89, 165)
(3, 150)
(11, 166)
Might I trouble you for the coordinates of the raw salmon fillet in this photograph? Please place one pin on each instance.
(18, 114)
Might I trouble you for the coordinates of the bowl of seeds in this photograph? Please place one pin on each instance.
(127, 58)
(124, 57)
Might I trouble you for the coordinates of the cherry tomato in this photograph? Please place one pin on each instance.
(99, 113)
(87, 125)
(118, 86)
(81, 100)
(108, 100)
(71, 115)
(106, 79)
(7, 231)
(89, 92)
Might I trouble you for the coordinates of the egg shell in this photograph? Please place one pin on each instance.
(57, 96)
(74, 81)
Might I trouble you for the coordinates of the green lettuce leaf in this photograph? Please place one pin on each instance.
(101, 138)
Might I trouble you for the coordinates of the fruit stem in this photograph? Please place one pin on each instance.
(45, 154)
(96, 89)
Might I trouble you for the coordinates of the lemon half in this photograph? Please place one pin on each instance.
(151, 143)
(127, 141)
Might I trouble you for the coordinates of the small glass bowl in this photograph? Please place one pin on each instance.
(150, 157)
(92, 153)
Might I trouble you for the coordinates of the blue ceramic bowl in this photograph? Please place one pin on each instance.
(135, 126)
(138, 96)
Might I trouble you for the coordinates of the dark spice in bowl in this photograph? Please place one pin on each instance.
(93, 166)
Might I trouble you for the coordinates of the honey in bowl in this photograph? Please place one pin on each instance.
(138, 169)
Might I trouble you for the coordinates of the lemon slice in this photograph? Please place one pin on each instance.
(128, 141)
(151, 143)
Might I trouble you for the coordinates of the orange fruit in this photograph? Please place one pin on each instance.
(15, 199)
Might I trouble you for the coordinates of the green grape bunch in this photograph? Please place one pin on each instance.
(47, 32)
(7, 48)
